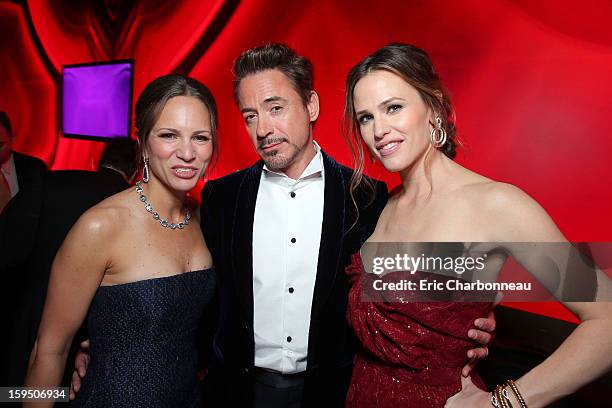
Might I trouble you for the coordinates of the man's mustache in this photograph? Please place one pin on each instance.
(270, 141)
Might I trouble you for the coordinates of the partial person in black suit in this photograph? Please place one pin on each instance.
(66, 196)
(281, 233)
(21, 179)
(18, 172)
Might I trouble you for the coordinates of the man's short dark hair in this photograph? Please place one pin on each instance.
(121, 154)
(6, 123)
(275, 56)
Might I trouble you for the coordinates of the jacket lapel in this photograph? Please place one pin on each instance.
(330, 245)
(332, 232)
(242, 238)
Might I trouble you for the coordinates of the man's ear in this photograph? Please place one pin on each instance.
(313, 106)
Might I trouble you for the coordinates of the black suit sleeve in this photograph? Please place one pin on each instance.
(206, 210)
(19, 224)
(19, 220)
(381, 197)
(19, 229)
(209, 319)
(370, 213)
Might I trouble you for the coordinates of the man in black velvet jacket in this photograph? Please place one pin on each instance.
(305, 358)
(281, 233)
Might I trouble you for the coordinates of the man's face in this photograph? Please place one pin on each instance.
(276, 118)
(6, 145)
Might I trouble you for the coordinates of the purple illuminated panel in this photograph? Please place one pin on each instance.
(97, 100)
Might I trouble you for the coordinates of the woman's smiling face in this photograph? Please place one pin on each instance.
(179, 147)
(394, 122)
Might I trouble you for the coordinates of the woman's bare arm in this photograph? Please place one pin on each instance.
(76, 274)
(587, 353)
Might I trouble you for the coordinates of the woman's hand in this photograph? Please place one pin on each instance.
(469, 396)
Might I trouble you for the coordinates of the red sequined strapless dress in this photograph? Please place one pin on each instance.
(412, 352)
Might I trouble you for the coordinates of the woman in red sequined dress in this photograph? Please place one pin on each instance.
(413, 351)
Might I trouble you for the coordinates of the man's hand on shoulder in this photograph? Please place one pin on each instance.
(80, 368)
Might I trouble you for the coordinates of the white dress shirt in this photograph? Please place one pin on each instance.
(10, 173)
(286, 236)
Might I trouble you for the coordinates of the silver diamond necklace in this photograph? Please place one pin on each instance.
(164, 223)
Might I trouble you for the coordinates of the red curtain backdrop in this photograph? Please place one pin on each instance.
(530, 80)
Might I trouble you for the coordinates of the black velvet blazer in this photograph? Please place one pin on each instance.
(228, 208)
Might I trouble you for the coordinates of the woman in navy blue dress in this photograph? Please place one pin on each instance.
(138, 262)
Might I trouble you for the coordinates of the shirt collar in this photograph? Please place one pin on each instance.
(8, 167)
(314, 169)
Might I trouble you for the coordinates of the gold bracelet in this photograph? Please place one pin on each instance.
(506, 395)
(500, 397)
(516, 392)
(494, 401)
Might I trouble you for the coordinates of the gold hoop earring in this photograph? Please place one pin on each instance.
(438, 134)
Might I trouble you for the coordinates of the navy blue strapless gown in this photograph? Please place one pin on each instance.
(142, 336)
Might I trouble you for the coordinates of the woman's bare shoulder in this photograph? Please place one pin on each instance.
(498, 195)
(518, 215)
(498, 199)
(108, 215)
